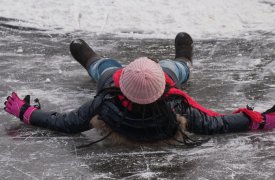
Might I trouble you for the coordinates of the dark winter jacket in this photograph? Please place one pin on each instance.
(199, 120)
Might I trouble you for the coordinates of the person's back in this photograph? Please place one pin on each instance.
(140, 103)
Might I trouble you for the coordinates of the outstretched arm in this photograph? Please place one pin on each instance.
(73, 122)
(201, 123)
(243, 119)
(205, 121)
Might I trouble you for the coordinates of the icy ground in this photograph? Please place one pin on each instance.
(227, 74)
(234, 65)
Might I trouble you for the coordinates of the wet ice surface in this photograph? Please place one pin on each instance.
(227, 74)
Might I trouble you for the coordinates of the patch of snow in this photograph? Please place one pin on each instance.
(19, 50)
(141, 19)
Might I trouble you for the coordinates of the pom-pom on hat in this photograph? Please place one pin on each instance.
(142, 81)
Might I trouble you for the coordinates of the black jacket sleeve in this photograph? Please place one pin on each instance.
(201, 123)
(73, 122)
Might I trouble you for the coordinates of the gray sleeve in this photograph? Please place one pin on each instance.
(72, 122)
(201, 123)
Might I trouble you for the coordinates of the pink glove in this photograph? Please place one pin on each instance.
(269, 120)
(19, 108)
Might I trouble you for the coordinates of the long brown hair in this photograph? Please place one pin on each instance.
(103, 129)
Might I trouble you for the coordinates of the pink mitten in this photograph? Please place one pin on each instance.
(19, 108)
(269, 120)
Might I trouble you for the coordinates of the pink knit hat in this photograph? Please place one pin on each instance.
(142, 81)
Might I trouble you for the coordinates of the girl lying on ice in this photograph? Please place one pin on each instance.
(141, 102)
